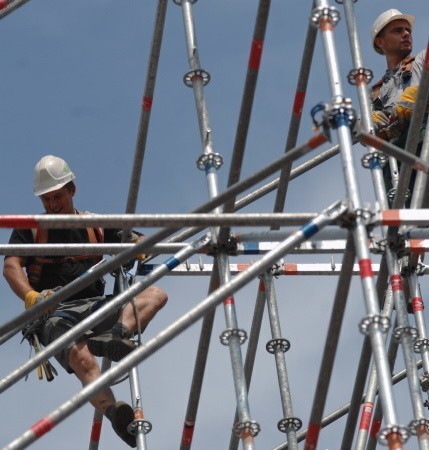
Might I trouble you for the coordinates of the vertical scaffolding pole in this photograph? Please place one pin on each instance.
(210, 162)
(333, 334)
(374, 324)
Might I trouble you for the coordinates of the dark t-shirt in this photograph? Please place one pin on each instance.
(62, 272)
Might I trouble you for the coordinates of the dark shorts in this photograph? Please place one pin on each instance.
(69, 314)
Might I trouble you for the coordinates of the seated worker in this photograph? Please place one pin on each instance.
(54, 185)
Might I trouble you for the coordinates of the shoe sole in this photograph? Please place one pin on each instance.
(110, 349)
(124, 415)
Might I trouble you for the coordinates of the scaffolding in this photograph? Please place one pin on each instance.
(380, 247)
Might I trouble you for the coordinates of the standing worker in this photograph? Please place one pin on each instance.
(393, 97)
(54, 185)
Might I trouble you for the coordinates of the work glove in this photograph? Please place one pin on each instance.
(403, 108)
(34, 297)
(385, 126)
(138, 238)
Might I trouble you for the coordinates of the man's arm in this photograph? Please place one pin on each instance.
(14, 273)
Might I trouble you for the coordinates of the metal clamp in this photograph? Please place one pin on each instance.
(252, 426)
(421, 344)
(374, 160)
(325, 13)
(342, 1)
(418, 423)
(393, 429)
(226, 336)
(362, 72)
(197, 74)
(424, 382)
(411, 331)
(289, 423)
(374, 321)
(335, 115)
(209, 160)
(277, 344)
(392, 192)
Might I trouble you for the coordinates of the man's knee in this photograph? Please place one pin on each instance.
(153, 295)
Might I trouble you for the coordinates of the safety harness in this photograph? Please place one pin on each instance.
(40, 236)
(405, 69)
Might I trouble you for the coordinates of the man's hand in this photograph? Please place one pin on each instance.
(33, 298)
(385, 126)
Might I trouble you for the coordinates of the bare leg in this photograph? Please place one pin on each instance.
(87, 369)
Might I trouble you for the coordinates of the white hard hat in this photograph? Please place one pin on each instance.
(51, 173)
(383, 19)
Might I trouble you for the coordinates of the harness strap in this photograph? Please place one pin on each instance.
(405, 68)
(40, 236)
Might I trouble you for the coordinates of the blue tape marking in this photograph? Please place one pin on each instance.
(309, 229)
(172, 263)
(374, 163)
(341, 120)
(251, 248)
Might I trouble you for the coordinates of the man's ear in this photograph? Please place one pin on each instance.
(378, 41)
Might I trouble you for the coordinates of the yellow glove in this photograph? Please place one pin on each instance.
(138, 238)
(380, 119)
(405, 104)
(385, 126)
(33, 298)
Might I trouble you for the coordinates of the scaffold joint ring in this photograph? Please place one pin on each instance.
(421, 344)
(360, 74)
(329, 13)
(277, 344)
(226, 336)
(179, 2)
(208, 160)
(197, 74)
(418, 423)
(411, 331)
(393, 429)
(251, 426)
(374, 321)
(289, 423)
(374, 160)
(145, 425)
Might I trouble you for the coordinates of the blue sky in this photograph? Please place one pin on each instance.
(72, 80)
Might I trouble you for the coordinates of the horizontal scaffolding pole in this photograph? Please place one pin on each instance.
(152, 220)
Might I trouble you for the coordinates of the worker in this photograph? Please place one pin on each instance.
(54, 185)
(393, 97)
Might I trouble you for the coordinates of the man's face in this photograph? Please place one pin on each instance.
(395, 38)
(59, 201)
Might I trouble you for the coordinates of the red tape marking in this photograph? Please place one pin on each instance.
(96, 430)
(7, 221)
(290, 269)
(317, 140)
(417, 246)
(43, 426)
(396, 282)
(229, 301)
(427, 58)
(375, 428)
(365, 268)
(418, 304)
(298, 103)
(241, 267)
(4, 4)
(261, 286)
(147, 103)
(188, 431)
(391, 217)
(255, 54)
(365, 419)
(312, 436)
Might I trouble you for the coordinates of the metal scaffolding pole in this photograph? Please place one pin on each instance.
(8, 6)
(374, 324)
(333, 334)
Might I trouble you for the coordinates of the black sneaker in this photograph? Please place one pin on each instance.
(122, 416)
(110, 346)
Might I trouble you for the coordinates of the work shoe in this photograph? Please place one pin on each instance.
(122, 416)
(110, 346)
